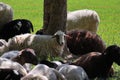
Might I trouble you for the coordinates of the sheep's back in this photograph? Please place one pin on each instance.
(83, 19)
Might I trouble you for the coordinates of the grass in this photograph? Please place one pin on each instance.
(109, 12)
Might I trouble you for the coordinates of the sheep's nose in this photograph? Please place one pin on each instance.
(61, 43)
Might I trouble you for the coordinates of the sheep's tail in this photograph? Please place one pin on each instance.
(59, 75)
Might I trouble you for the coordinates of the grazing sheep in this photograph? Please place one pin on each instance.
(9, 74)
(72, 72)
(82, 41)
(24, 56)
(43, 72)
(6, 14)
(16, 27)
(99, 64)
(8, 64)
(83, 19)
(44, 45)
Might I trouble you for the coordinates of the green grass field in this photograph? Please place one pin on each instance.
(109, 12)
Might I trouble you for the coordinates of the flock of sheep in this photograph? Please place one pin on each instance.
(24, 56)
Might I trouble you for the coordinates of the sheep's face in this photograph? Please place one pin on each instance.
(114, 53)
(60, 37)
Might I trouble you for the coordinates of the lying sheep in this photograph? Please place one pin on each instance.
(44, 45)
(99, 64)
(83, 19)
(43, 72)
(72, 72)
(6, 14)
(9, 74)
(81, 42)
(8, 64)
(16, 27)
(24, 56)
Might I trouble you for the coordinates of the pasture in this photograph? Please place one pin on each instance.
(109, 12)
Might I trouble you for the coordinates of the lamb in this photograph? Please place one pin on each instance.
(43, 72)
(24, 56)
(99, 64)
(8, 64)
(16, 27)
(44, 45)
(81, 42)
(72, 72)
(6, 14)
(83, 19)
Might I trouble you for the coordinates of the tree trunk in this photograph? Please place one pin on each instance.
(55, 15)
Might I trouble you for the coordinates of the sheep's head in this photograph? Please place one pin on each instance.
(60, 37)
(113, 52)
(28, 56)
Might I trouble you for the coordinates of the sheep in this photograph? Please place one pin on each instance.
(44, 45)
(8, 64)
(80, 42)
(16, 27)
(83, 19)
(23, 56)
(6, 14)
(99, 64)
(43, 72)
(9, 74)
(72, 72)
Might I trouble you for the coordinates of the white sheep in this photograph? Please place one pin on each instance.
(44, 45)
(83, 19)
(8, 64)
(72, 72)
(6, 14)
(43, 72)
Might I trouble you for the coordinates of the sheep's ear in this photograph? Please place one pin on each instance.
(54, 36)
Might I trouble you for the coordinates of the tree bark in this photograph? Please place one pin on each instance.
(55, 15)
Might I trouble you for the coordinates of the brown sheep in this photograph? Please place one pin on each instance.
(26, 55)
(82, 41)
(99, 64)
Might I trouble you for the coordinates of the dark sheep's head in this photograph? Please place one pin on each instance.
(29, 56)
(114, 52)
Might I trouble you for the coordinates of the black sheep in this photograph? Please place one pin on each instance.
(9, 74)
(16, 27)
